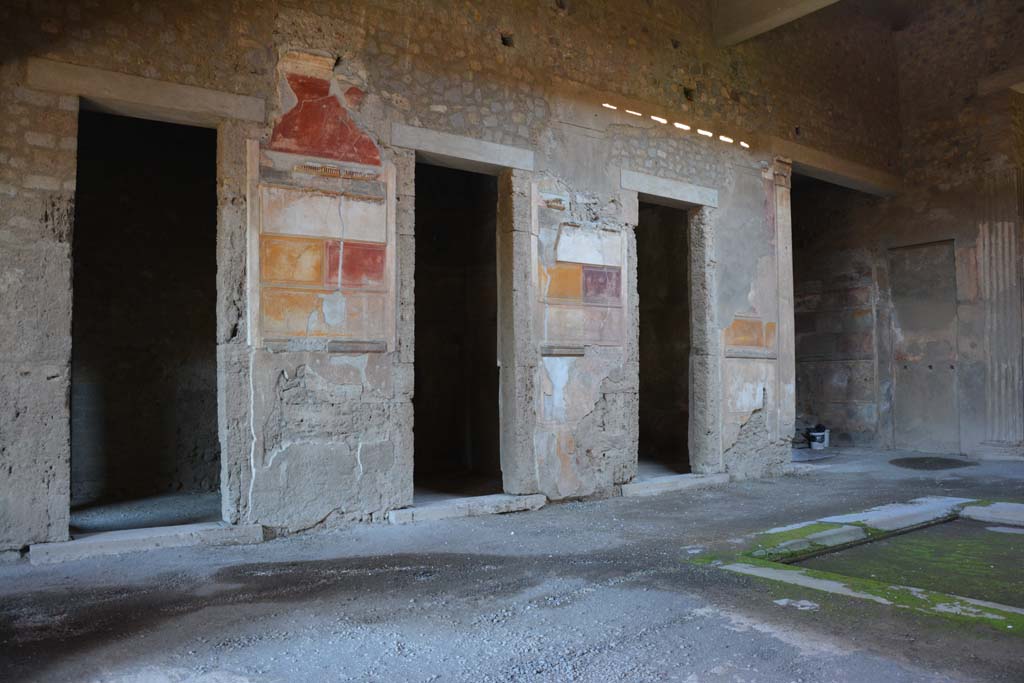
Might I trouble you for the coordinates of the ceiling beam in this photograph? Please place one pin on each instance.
(739, 20)
(815, 163)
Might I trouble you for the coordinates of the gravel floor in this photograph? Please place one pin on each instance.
(585, 591)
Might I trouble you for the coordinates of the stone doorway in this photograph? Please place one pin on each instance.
(144, 439)
(663, 276)
(457, 425)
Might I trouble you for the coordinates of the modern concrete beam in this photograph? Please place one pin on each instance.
(824, 166)
(1012, 79)
(667, 192)
(149, 98)
(457, 151)
(739, 20)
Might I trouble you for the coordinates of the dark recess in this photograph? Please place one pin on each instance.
(456, 399)
(144, 369)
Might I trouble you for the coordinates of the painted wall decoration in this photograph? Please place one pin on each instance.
(750, 336)
(580, 284)
(323, 255)
(584, 418)
(318, 125)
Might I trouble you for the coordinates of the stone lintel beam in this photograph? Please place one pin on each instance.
(461, 152)
(666, 191)
(127, 95)
(815, 163)
(739, 20)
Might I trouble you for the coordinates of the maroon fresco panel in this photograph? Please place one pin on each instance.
(333, 269)
(601, 284)
(362, 264)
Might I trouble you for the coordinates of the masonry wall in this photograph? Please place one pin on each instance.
(961, 159)
(313, 437)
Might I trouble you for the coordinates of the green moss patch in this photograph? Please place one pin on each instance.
(922, 569)
(959, 557)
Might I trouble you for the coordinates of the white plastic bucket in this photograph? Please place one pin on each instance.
(819, 440)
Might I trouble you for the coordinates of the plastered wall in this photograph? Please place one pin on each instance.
(313, 435)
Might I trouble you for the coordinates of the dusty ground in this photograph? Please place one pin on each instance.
(592, 591)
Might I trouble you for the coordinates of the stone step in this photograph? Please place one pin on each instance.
(496, 504)
(135, 540)
(672, 482)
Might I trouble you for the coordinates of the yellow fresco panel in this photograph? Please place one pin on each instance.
(292, 260)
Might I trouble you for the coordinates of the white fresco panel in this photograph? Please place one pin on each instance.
(364, 221)
(579, 245)
(300, 212)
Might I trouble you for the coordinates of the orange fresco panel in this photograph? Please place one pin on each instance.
(745, 332)
(286, 312)
(294, 260)
(565, 281)
(769, 335)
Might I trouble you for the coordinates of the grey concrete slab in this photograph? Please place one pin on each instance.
(1009, 514)
(902, 515)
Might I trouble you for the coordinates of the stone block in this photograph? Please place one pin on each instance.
(903, 515)
(138, 540)
(1010, 514)
(672, 483)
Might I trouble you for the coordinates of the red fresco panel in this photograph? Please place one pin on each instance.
(319, 126)
(362, 265)
(333, 256)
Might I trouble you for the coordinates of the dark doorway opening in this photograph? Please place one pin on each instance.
(456, 400)
(663, 286)
(836, 232)
(144, 443)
